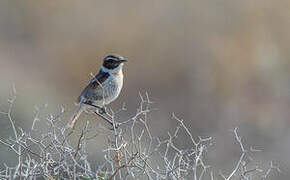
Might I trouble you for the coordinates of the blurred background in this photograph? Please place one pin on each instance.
(216, 64)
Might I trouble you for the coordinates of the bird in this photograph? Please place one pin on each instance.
(103, 89)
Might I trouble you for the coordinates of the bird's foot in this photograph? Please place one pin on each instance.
(103, 110)
(114, 126)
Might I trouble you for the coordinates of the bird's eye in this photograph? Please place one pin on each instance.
(110, 61)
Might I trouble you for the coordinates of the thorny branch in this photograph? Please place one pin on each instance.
(132, 151)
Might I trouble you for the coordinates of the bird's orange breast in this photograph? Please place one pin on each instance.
(117, 74)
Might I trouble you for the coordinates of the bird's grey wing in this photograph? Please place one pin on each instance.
(94, 90)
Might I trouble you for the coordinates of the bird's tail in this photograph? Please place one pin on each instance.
(75, 115)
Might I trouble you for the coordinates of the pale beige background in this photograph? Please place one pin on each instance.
(216, 63)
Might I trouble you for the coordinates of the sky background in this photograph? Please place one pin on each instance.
(216, 64)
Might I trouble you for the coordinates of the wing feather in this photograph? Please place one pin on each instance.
(94, 90)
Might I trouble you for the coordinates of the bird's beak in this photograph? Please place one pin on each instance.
(123, 60)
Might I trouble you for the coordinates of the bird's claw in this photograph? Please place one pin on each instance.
(116, 126)
(102, 110)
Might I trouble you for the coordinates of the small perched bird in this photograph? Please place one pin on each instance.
(104, 88)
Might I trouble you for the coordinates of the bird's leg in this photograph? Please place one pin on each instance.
(114, 125)
(104, 118)
(100, 112)
(100, 108)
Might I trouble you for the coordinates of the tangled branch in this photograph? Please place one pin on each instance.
(132, 153)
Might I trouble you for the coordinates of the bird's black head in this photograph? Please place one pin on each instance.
(113, 61)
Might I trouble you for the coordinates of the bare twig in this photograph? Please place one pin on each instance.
(132, 152)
